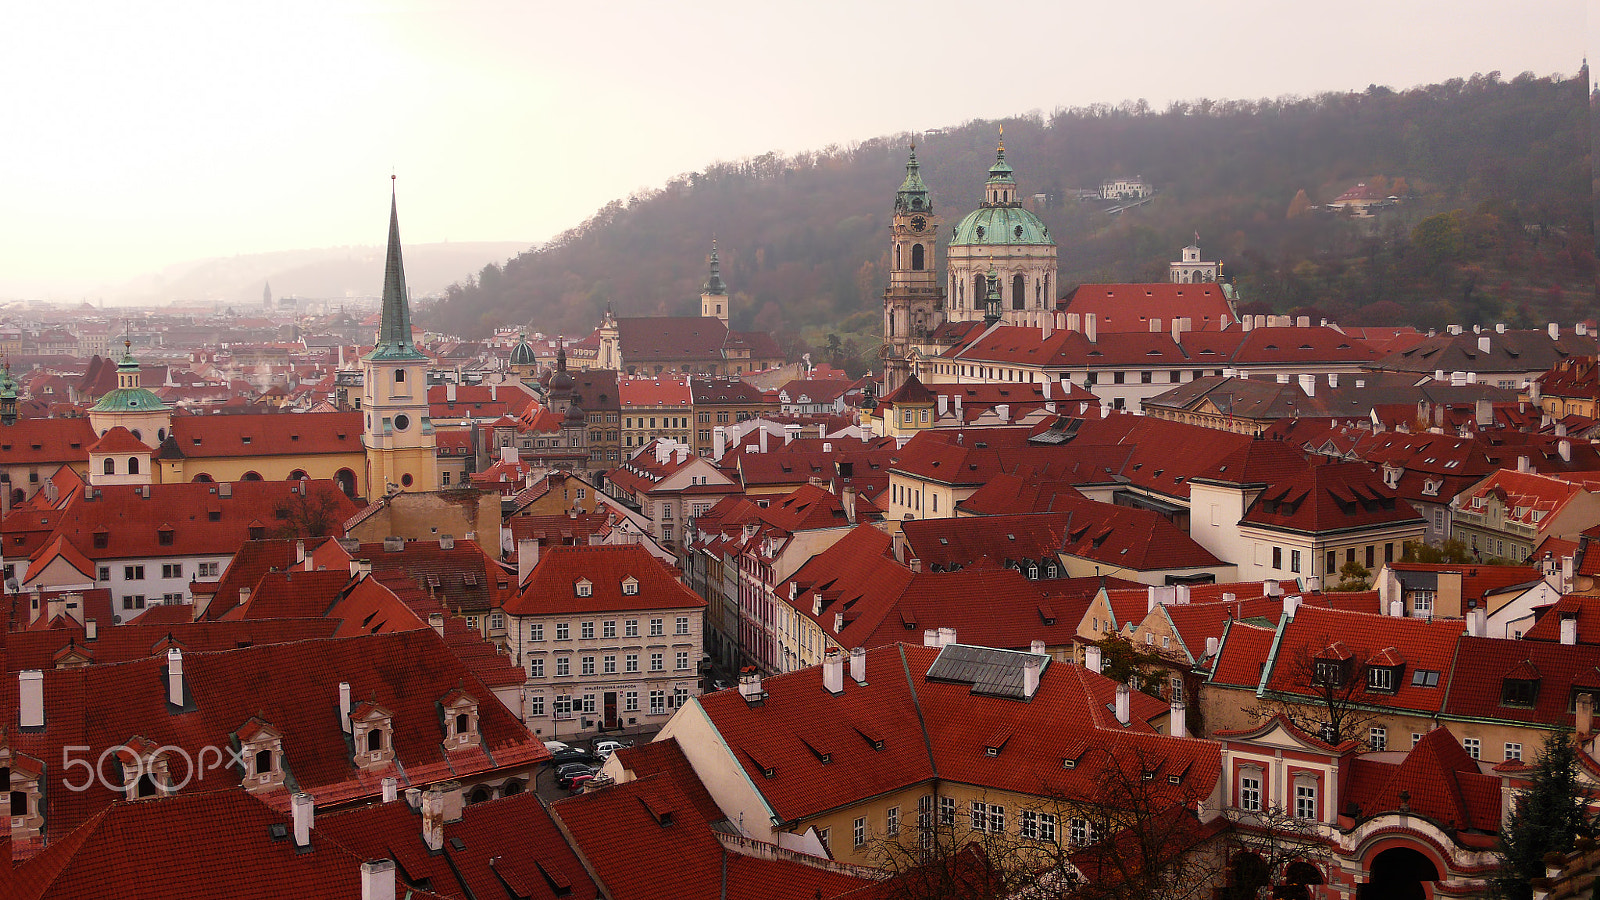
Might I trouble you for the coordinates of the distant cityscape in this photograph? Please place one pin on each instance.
(1095, 590)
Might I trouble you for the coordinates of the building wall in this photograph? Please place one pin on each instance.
(426, 515)
(272, 468)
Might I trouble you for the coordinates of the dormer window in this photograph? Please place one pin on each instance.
(460, 720)
(1383, 679)
(372, 730)
(584, 587)
(260, 756)
(1519, 692)
(630, 586)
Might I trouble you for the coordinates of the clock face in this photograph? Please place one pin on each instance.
(918, 223)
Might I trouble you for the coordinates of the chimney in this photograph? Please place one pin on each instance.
(1565, 449)
(1524, 465)
(344, 706)
(304, 810)
(299, 552)
(1477, 622)
(414, 798)
(1123, 698)
(762, 437)
(683, 455)
(1248, 323)
(1270, 588)
(790, 432)
(1561, 429)
(1031, 667)
(958, 409)
(1308, 384)
(1567, 571)
(1397, 608)
(391, 789)
(1584, 726)
(508, 454)
(1091, 327)
(377, 879)
(947, 636)
(833, 672)
(527, 558)
(1003, 412)
(1036, 646)
(858, 665)
(1483, 343)
(91, 630)
(943, 403)
(1213, 644)
(822, 431)
(838, 622)
(30, 705)
(449, 389)
(750, 685)
(1555, 331)
(433, 818)
(1091, 658)
(847, 500)
(914, 564)
(447, 542)
(1303, 322)
(1178, 718)
(175, 676)
(1453, 329)
(1074, 322)
(1283, 377)
(1046, 385)
(436, 622)
(930, 637)
(358, 568)
(1291, 605)
(1155, 325)
(1044, 329)
(1569, 628)
(719, 443)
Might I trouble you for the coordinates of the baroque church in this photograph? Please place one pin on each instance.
(1000, 267)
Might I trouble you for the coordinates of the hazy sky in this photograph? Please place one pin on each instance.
(138, 135)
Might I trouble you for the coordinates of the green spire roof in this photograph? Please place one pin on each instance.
(913, 194)
(128, 396)
(991, 300)
(714, 284)
(394, 334)
(1000, 172)
(522, 354)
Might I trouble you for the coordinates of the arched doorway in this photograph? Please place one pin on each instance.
(1398, 873)
(347, 482)
(1298, 877)
(1247, 876)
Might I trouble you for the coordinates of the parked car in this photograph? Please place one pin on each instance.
(578, 781)
(604, 749)
(573, 755)
(553, 746)
(566, 774)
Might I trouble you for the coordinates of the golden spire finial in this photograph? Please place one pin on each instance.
(1002, 147)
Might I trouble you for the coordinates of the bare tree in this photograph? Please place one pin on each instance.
(309, 514)
(944, 857)
(1326, 694)
(1271, 848)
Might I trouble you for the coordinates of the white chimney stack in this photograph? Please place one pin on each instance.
(1036, 646)
(947, 636)
(750, 686)
(436, 622)
(1031, 668)
(433, 819)
(1091, 658)
(527, 558)
(391, 789)
(1555, 331)
(1477, 622)
(1569, 630)
(1123, 697)
(1291, 605)
(1213, 644)
(1091, 327)
(1178, 718)
(1565, 449)
(762, 436)
(1046, 386)
(719, 443)
(30, 708)
(1483, 343)
(377, 879)
(1269, 588)
(175, 676)
(304, 810)
(1397, 608)
(930, 637)
(1308, 384)
(344, 706)
(942, 403)
(858, 665)
(833, 672)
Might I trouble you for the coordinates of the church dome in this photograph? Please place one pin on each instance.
(1001, 226)
(128, 396)
(522, 353)
(560, 382)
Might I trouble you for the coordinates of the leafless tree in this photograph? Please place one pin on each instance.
(314, 513)
(1271, 848)
(1326, 694)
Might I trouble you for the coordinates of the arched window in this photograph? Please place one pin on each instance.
(511, 787)
(146, 786)
(111, 466)
(133, 465)
(375, 740)
(480, 794)
(298, 475)
(918, 261)
(399, 376)
(137, 435)
(1019, 292)
(250, 476)
(202, 478)
(897, 256)
(980, 291)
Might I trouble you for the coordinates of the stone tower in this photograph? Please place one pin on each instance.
(913, 303)
(713, 294)
(610, 356)
(396, 430)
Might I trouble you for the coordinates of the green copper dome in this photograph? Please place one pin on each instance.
(1001, 225)
(714, 284)
(127, 396)
(522, 354)
(913, 194)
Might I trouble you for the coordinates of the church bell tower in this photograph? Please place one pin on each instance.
(396, 430)
(913, 303)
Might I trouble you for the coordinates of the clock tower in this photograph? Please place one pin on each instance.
(396, 430)
(913, 303)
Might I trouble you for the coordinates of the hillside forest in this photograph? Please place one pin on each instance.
(1494, 220)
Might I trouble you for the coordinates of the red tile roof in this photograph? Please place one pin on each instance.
(1424, 645)
(119, 440)
(1129, 307)
(275, 434)
(1331, 497)
(1584, 609)
(145, 639)
(553, 585)
(1483, 664)
(1243, 654)
(1439, 780)
(42, 441)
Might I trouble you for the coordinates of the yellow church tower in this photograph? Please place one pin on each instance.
(397, 433)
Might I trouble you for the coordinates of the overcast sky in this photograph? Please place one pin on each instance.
(138, 135)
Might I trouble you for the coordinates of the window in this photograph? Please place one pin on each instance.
(1473, 746)
(609, 629)
(497, 621)
(586, 631)
(1332, 561)
(535, 706)
(1080, 832)
(680, 697)
(1305, 800)
(657, 628)
(858, 832)
(980, 815)
(630, 701)
(563, 631)
(133, 601)
(1381, 678)
(105, 573)
(1038, 826)
(1425, 678)
(658, 703)
(891, 820)
(1522, 692)
(1513, 752)
(1415, 737)
(610, 663)
(631, 662)
(631, 628)
(630, 586)
(657, 663)
(586, 666)
(536, 631)
(584, 588)
(1294, 560)
(825, 835)
(535, 667)
(682, 660)
(1378, 738)
(1250, 791)
(1277, 557)
(947, 811)
(562, 707)
(1422, 603)
(172, 570)
(209, 569)
(563, 665)
(444, 478)
(133, 573)
(682, 626)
